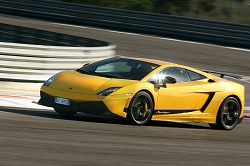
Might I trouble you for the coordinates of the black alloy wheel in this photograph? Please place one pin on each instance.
(228, 114)
(64, 112)
(140, 109)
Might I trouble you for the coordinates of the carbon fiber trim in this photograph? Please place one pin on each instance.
(172, 111)
(209, 99)
(94, 108)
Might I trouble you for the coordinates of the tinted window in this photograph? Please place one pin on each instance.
(114, 67)
(155, 79)
(179, 74)
(120, 68)
(195, 76)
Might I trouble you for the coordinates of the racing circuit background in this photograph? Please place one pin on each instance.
(34, 135)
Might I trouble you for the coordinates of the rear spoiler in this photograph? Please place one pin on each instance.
(222, 74)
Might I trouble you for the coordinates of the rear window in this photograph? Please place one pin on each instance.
(195, 76)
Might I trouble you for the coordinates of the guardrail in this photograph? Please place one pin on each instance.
(23, 35)
(55, 52)
(193, 29)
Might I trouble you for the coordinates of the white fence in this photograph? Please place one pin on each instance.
(36, 63)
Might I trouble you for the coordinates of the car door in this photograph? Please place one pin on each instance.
(178, 97)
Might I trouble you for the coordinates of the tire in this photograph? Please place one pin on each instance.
(64, 112)
(228, 114)
(140, 109)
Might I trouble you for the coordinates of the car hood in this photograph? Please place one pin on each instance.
(84, 83)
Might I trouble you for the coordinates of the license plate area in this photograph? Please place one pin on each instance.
(62, 101)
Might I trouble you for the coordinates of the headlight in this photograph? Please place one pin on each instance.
(48, 82)
(106, 92)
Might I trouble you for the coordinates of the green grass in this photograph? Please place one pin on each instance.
(223, 10)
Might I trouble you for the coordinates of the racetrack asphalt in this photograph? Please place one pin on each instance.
(41, 137)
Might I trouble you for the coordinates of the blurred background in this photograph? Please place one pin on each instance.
(223, 10)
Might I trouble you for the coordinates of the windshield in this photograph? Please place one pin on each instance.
(119, 68)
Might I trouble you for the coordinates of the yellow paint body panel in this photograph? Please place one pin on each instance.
(189, 96)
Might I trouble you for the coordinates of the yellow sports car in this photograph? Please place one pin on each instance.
(141, 90)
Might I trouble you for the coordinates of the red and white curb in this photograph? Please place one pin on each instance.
(246, 79)
(21, 102)
(30, 102)
(247, 113)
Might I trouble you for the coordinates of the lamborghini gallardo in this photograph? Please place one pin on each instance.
(141, 90)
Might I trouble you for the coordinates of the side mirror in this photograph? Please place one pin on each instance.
(168, 79)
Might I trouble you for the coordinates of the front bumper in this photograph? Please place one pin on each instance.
(111, 106)
(95, 107)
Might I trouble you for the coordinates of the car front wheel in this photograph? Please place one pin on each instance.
(140, 109)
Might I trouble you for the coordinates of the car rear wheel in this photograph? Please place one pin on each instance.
(140, 109)
(228, 114)
(64, 112)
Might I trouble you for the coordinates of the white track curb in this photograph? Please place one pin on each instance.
(21, 102)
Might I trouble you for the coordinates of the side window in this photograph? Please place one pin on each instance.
(179, 74)
(195, 76)
(154, 79)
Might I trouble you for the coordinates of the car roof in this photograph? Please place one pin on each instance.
(165, 64)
